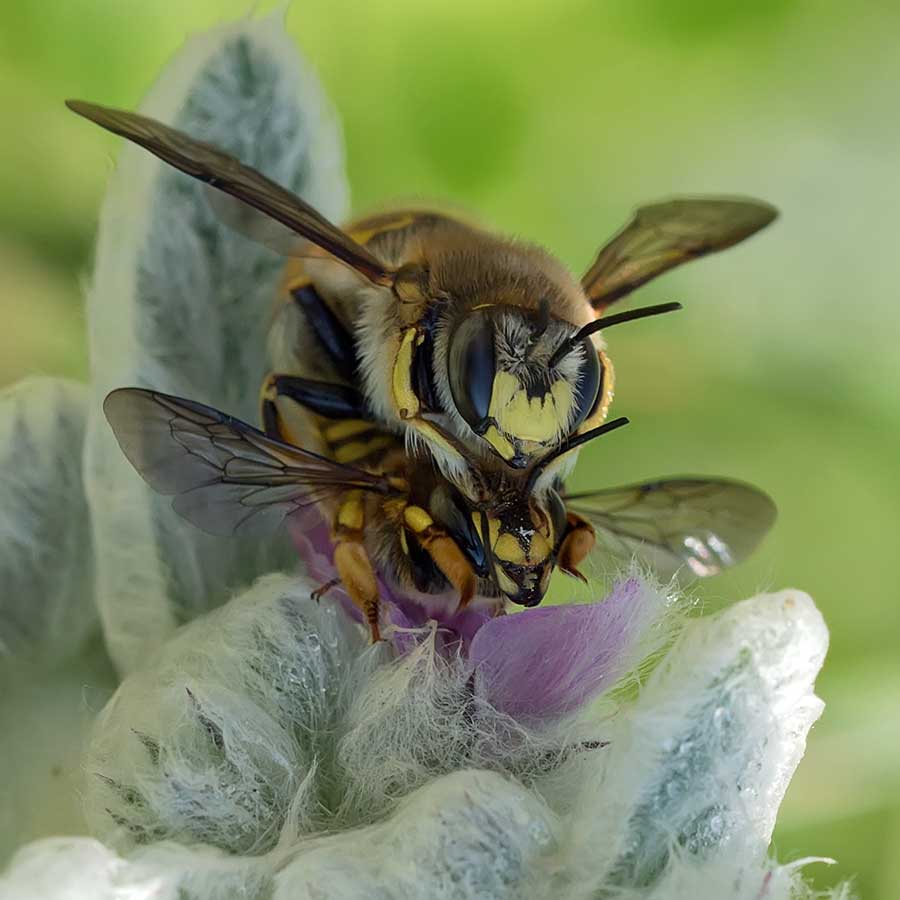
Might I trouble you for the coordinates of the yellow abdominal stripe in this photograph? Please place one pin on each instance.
(538, 419)
(355, 450)
(345, 428)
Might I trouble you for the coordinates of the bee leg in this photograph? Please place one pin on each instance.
(331, 333)
(323, 589)
(358, 577)
(352, 561)
(444, 551)
(578, 541)
(334, 401)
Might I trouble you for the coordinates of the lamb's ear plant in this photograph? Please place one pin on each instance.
(257, 746)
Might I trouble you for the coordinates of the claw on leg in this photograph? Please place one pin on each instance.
(323, 589)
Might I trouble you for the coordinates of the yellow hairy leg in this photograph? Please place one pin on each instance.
(351, 559)
(444, 551)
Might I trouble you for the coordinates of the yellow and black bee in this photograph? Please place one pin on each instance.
(433, 384)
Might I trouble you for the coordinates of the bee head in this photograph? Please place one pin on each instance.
(523, 534)
(510, 388)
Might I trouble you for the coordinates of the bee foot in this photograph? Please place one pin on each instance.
(323, 589)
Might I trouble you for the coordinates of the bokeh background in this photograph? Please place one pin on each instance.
(551, 121)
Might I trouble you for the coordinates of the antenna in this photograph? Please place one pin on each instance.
(569, 344)
(575, 441)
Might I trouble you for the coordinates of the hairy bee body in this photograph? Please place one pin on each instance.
(432, 385)
(401, 336)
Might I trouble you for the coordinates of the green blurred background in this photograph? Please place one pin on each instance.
(551, 121)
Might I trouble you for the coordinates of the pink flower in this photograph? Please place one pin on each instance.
(534, 665)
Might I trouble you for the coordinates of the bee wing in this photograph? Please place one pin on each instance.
(256, 226)
(226, 476)
(707, 524)
(214, 167)
(664, 235)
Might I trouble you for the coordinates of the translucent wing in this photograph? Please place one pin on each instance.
(226, 477)
(256, 226)
(664, 235)
(706, 524)
(224, 172)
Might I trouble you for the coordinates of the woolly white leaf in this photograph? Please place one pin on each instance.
(83, 869)
(698, 766)
(61, 869)
(216, 739)
(267, 728)
(181, 303)
(467, 835)
(46, 564)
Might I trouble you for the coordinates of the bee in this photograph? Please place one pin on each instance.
(433, 385)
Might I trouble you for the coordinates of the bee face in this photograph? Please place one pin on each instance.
(523, 538)
(508, 387)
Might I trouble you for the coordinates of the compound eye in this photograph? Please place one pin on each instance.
(588, 388)
(472, 367)
(556, 512)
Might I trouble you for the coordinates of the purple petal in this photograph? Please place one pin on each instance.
(545, 662)
(312, 538)
(413, 610)
(408, 611)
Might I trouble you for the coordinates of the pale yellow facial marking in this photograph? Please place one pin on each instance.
(563, 399)
(339, 431)
(499, 443)
(509, 549)
(351, 513)
(504, 582)
(405, 398)
(536, 419)
(417, 519)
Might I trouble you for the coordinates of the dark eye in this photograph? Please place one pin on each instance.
(556, 512)
(588, 388)
(471, 368)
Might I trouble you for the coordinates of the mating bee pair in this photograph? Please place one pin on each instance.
(434, 383)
